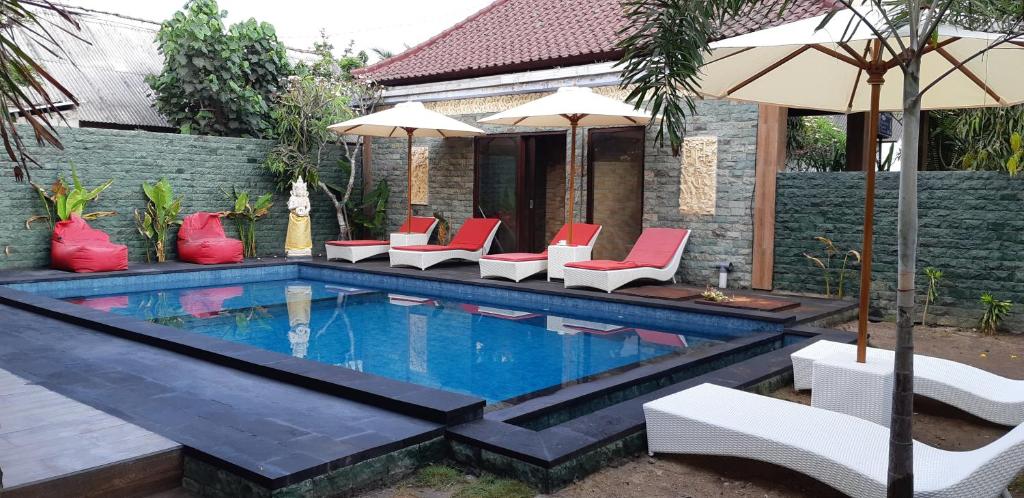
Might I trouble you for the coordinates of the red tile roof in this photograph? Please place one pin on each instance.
(517, 35)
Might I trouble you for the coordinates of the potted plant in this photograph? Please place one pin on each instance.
(246, 214)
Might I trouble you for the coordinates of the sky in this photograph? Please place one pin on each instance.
(390, 25)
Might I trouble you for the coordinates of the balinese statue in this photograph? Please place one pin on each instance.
(299, 241)
(299, 302)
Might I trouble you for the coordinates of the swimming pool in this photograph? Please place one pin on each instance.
(498, 345)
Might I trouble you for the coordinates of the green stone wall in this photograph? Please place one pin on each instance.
(971, 228)
(198, 167)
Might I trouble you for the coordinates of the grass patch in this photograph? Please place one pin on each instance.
(492, 487)
(438, 476)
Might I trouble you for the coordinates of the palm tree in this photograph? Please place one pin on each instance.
(27, 90)
(664, 45)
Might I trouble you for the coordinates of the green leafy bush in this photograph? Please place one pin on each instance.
(995, 311)
(246, 214)
(815, 144)
(63, 200)
(217, 82)
(160, 214)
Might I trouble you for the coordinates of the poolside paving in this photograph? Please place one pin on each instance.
(270, 432)
(45, 437)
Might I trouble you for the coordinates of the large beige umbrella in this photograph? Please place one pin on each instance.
(572, 107)
(842, 66)
(412, 120)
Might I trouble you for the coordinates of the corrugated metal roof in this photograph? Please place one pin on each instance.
(107, 73)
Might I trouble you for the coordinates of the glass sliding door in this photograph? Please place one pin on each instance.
(520, 180)
(497, 187)
(615, 189)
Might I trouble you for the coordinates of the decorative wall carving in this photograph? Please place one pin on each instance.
(420, 175)
(502, 102)
(698, 175)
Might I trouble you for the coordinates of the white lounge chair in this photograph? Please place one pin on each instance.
(840, 450)
(472, 241)
(414, 231)
(973, 390)
(655, 256)
(518, 265)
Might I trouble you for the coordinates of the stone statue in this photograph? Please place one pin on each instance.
(299, 241)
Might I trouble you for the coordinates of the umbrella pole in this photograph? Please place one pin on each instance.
(875, 79)
(408, 175)
(572, 178)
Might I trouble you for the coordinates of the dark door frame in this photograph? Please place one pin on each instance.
(523, 232)
(590, 165)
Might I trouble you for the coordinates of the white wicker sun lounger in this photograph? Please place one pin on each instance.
(417, 233)
(655, 256)
(973, 390)
(473, 240)
(517, 266)
(840, 450)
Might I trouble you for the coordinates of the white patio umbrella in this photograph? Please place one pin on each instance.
(843, 67)
(571, 107)
(412, 120)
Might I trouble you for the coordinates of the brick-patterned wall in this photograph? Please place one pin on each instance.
(970, 228)
(726, 235)
(198, 167)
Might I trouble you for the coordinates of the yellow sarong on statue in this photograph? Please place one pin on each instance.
(300, 235)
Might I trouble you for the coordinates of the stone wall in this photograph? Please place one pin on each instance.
(725, 235)
(970, 229)
(198, 168)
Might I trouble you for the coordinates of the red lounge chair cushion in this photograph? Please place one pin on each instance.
(420, 224)
(357, 243)
(201, 240)
(517, 257)
(75, 246)
(582, 233)
(603, 265)
(474, 233)
(436, 248)
(656, 247)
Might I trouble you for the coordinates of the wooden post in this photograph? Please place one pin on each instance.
(367, 171)
(857, 141)
(771, 158)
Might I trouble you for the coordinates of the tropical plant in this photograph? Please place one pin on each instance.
(829, 273)
(245, 214)
(1013, 164)
(976, 139)
(217, 82)
(323, 94)
(664, 43)
(444, 228)
(160, 214)
(934, 276)
(370, 217)
(995, 310)
(26, 86)
(815, 144)
(63, 200)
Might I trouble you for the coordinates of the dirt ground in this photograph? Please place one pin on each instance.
(692, 476)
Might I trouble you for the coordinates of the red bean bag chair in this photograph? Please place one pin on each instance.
(201, 240)
(77, 247)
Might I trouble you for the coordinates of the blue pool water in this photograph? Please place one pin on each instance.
(496, 353)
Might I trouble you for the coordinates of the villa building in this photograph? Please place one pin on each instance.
(721, 185)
